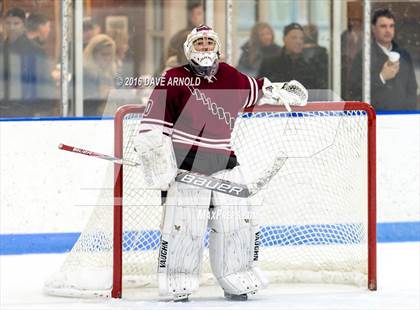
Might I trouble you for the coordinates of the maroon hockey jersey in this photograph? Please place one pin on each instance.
(197, 112)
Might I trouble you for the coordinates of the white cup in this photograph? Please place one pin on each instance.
(393, 56)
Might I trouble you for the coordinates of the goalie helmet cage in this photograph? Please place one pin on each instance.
(312, 110)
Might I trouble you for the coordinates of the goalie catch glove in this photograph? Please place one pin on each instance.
(157, 158)
(288, 94)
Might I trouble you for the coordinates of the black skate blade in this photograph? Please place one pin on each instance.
(181, 298)
(241, 297)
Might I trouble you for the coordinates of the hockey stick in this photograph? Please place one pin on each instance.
(197, 179)
(113, 159)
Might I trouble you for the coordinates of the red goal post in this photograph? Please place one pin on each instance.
(312, 109)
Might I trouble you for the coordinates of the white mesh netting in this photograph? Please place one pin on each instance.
(313, 213)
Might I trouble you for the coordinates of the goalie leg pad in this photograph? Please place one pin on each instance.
(183, 227)
(234, 241)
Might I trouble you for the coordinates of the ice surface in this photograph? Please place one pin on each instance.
(22, 279)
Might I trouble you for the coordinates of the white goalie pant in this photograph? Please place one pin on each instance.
(234, 240)
(184, 224)
(233, 245)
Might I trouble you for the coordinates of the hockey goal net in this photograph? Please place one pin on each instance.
(317, 215)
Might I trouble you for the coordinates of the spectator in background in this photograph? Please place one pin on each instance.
(25, 70)
(351, 44)
(100, 67)
(175, 55)
(124, 55)
(290, 64)
(90, 29)
(1, 28)
(260, 46)
(315, 55)
(393, 84)
(38, 28)
(178, 58)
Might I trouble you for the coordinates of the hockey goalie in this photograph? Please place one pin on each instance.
(188, 126)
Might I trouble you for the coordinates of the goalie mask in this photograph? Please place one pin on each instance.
(202, 50)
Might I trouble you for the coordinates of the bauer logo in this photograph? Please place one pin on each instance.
(212, 184)
(163, 254)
